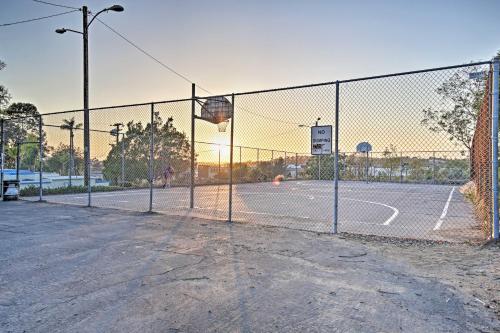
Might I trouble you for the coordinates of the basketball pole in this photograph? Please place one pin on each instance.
(191, 184)
(231, 163)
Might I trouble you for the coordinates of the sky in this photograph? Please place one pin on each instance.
(233, 46)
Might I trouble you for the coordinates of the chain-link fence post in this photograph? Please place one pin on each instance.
(219, 178)
(151, 157)
(494, 141)
(367, 166)
(434, 167)
(191, 183)
(18, 157)
(40, 171)
(272, 164)
(319, 167)
(284, 166)
(123, 160)
(401, 167)
(230, 210)
(336, 172)
(296, 166)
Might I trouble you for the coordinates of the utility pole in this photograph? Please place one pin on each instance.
(116, 131)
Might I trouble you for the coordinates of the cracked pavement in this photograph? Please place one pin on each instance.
(75, 269)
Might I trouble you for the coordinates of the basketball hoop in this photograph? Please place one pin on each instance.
(222, 125)
(217, 110)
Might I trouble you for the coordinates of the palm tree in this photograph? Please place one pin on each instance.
(70, 126)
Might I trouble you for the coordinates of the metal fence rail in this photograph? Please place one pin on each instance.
(431, 133)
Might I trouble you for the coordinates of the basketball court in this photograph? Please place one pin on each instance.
(437, 212)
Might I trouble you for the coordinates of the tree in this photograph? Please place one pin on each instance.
(22, 128)
(4, 93)
(29, 156)
(25, 120)
(58, 160)
(71, 126)
(462, 98)
(313, 167)
(390, 159)
(170, 147)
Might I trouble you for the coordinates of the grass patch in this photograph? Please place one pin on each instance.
(33, 190)
(481, 210)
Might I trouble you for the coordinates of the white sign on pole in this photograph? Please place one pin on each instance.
(321, 140)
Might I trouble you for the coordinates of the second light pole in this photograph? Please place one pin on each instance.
(319, 157)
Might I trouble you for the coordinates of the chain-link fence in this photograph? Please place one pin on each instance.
(411, 156)
(481, 188)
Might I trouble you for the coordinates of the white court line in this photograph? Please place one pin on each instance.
(387, 222)
(394, 209)
(445, 210)
(248, 212)
(303, 193)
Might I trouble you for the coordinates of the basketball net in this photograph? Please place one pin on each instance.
(222, 125)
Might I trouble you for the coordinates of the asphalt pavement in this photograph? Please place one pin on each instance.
(437, 212)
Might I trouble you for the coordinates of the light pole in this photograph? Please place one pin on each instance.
(319, 157)
(86, 117)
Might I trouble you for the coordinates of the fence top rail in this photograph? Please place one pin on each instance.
(417, 71)
(489, 62)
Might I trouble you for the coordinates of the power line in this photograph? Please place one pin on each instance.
(183, 76)
(149, 55)
(55, 4)
(36, 19)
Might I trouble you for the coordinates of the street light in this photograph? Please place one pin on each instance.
(116, 8)
(86, 117)
(308, 126)
(319, 157)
